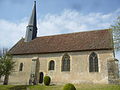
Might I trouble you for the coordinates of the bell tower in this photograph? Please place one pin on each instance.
(31, 29)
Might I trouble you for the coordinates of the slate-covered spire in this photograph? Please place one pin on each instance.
(33, 20)
(31, 30)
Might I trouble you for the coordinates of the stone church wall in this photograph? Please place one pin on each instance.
(79, 68)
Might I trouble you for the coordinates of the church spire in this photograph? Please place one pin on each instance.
(33, 20)
(31, 30)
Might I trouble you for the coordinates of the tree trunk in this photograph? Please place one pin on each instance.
(6, 80)
(0, 78)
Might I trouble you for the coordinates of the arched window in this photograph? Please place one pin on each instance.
(51, 65)
(21, 67)
(93, 62)
(66, 62)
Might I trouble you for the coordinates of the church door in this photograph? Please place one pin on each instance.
(41, 77)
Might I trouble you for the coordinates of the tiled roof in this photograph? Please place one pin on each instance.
(81, 41)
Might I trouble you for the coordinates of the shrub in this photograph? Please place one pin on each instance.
(69, 86)
(47, 80)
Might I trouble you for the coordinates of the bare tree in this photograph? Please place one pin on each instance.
(3, 51)
(0, 52)
(116, 34)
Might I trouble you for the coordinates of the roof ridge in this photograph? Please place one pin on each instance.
(73, 33)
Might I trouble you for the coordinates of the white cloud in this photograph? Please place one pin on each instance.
(66, 22)
(73, 21)
(11, 32)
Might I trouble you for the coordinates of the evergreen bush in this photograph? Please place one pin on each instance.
(47, 80)
(69, 86)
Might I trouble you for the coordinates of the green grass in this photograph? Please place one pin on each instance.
(59, 87)
(97, 87)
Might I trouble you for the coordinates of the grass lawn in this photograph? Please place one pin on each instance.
(58, 87)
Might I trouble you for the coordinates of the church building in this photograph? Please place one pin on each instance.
(81, 57)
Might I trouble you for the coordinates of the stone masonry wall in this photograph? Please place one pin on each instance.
(79, 68)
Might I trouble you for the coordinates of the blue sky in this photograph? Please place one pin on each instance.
(55, 17)
(17, 9)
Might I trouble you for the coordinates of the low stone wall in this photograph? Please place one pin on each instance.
(114, 81)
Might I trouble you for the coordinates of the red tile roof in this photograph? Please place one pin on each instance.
(81, 41)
